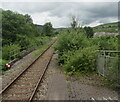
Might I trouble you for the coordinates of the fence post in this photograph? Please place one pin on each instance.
(104, 65)
(119, 71)
(9, 53)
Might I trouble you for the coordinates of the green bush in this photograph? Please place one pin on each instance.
(4, 62)
(64, 57)
(72, 41)
(83, 60)
(47, 29)
(15, 26)
(77, 52)
(38, 42)
(7, 51)
(19, 33)
(106, 42)
(23, 41)
(89, 31)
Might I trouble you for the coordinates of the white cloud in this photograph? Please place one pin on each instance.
(41, 18)
(60, 1)
(92, 13)
(93, 24)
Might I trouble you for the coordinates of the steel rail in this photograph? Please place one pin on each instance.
(1, 92)
(40, 79)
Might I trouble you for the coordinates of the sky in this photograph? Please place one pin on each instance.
(87, 12)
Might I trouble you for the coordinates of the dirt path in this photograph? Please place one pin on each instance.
(86, 90)
(57, 86)
(54, 85)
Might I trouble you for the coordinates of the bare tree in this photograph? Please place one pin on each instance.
(74, 22)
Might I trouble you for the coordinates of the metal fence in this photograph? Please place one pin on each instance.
(109, 67)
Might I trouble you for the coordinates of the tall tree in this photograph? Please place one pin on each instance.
(89, 31)
(47, 29)
(14, 24)
(74, 22)
(28, 18)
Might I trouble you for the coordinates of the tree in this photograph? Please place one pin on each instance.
(14, 24)
(74, 22)
(28, 18)
(47, 29)
(89, 31)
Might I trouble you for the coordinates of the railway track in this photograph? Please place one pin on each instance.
(25, 85)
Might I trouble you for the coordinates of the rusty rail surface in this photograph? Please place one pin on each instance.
(14, 81)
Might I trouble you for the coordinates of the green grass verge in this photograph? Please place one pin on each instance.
(39, 51)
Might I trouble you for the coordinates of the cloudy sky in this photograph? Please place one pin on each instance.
(59, 13)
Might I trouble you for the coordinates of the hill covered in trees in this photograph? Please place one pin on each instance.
(17, 28)
(109, 27)
(20, 33)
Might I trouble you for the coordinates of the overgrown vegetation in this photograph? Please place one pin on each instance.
(47, 29)
(89, 32)
(19, 33)
(77, 51)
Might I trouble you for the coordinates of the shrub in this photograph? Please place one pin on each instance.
(7, 50)
(4, 62)
(47, 29)
(38, 41)
(23, 41)
(83, 60)
(77, 52)
(72, 41)
(89, 31)
(106, 42)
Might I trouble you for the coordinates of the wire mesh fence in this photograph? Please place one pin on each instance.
(109, 67)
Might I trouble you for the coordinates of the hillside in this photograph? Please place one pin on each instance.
(109, 27)
(39, 26)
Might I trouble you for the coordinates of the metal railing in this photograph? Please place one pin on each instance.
(108, 67)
